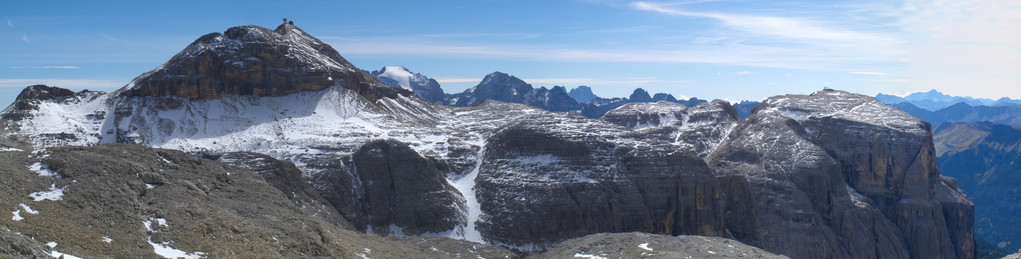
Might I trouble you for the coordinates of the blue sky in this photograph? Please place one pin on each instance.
(733, 50)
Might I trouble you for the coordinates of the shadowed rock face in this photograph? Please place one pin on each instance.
(845, 176)
(255, 61)
(391, 185)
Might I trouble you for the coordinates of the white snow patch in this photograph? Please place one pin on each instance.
(711, 251)
(42, 169)
(56, 254)
(54, 194)
(52, 244)
(645, 246)
(10, 149)
(17, 215)
(29, 209)
(466, 185)
(107, 240)
(164, 250)
(857, 198)
(581, 255)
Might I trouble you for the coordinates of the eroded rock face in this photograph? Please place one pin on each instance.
(556, 177)
(396, 187)
(843, 175)
(255, 61)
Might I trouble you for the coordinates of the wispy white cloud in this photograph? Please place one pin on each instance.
(743, 73)
(784, 27)
(881, 74)
(9, 23)
(764, 56)
(24, 37)
(57, 67)
(66, 83)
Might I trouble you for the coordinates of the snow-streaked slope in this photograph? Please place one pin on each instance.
(76, 120)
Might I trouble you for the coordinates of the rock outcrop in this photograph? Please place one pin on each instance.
(843, 175)
(255, 61)
(391, 190)
(645, 245)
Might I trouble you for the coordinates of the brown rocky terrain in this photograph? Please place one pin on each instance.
(126, 201)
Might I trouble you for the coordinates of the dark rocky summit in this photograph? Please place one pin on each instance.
(255, 61)
(582, 94)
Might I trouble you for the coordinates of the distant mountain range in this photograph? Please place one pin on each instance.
(934, 100)
(936, 108)
(984, 157)
(507, 88)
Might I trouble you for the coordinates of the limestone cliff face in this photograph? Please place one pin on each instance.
(845, 176)
(551, 178)
(255, 61)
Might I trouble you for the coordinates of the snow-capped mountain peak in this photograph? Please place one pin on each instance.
(401, 75)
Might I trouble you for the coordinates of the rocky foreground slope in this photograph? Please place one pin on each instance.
(832, 174)
(132, 201)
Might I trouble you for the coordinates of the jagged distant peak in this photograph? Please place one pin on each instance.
(640, 95)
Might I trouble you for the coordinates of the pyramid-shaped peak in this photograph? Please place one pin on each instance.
(252, 60)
